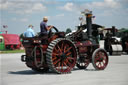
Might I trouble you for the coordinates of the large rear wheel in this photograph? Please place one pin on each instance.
(61, 55)
(100, 59)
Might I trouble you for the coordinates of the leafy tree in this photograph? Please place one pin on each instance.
(122, 29)
(121, 33)
(68, 30)
(21, 36)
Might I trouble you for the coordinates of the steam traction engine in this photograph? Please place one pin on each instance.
(61, 53)
(124, 41)
(112, 43)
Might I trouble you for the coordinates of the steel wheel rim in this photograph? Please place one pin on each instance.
(101, 60)
(64, 56)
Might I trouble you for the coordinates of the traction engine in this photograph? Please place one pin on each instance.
(112, 43)
(124, 41)
(61, 53)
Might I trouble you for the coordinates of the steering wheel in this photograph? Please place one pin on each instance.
(51, 31)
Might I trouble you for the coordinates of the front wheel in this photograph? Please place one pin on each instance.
(100, 59)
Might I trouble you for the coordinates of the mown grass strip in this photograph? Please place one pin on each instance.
(12, 51)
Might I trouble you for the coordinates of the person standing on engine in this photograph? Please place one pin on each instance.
(43, 26)
(30, 32)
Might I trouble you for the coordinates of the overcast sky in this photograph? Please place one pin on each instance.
(63, 14)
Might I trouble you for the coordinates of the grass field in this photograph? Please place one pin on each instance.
(11, 51)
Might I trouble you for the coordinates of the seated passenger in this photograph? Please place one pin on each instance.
(29, 32)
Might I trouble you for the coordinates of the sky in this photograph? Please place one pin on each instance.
(63, 14)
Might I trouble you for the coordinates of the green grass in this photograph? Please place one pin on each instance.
(12, 51)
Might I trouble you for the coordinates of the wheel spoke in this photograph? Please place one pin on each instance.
(55, 54)
(62, 46)
(56, 62)
(65, 48)
(55, 49)
(59, 64)
(65, 64)
(104, 57)
(99, 64)
(100, 53)
(103, 65)
(59, 48)
(96, 59)
(68, 62)
(68, 49)
(54, 58)
(70, 58)
(69, 53)
(62, 66)
(104, 61)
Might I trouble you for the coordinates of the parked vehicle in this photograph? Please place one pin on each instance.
(11, 41)
(124, 40)
(2, 46)
(112, 43)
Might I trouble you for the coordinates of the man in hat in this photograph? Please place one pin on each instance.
(29, 32)
(43, 26)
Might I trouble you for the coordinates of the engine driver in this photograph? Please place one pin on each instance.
(43, 26)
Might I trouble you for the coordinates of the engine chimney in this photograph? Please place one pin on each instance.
(113, 31)
(89, 24)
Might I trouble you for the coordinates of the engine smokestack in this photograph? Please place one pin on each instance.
(89, 24)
